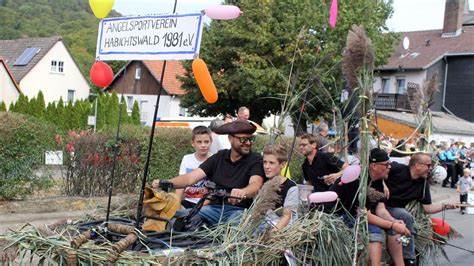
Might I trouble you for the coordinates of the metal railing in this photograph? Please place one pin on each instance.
(391, 101)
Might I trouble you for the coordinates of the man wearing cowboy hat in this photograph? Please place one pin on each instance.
(238, 170)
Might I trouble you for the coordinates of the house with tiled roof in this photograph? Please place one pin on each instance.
(447, 53)
(9, 89)
(140, 80)
(44, 64)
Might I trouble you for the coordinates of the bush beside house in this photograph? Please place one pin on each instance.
(23, 140)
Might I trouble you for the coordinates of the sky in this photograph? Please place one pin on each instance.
(409, 15)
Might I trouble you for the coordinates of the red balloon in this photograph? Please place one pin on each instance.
(101, 74)
(440, 226)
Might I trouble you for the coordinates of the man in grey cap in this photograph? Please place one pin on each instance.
(237, 170)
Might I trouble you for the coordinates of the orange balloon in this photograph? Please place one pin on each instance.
(204, 80)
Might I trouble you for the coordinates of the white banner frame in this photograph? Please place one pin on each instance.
(188, 23)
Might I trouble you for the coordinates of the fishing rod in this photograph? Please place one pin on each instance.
(443, 242)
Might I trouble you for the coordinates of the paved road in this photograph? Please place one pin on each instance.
(465, 225)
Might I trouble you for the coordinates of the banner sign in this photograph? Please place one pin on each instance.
(165, 37)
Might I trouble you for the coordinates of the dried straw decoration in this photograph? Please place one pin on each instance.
(358, 55)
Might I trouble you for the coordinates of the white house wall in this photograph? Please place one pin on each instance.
(55, 85)
(169, 106)
(8, 91)
(416, 77)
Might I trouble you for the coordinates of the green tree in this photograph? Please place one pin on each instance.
(70, 117)
(123, 111)
(21, 105)
(83, 109)
(40, 104)
(251, 57)
(102, 111)
(3, 107)
(135, 114)
(36, 106)
(113, 110)
(60, 115)
(50, 113)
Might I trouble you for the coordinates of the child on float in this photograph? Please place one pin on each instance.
(201, 141)
(275, 158)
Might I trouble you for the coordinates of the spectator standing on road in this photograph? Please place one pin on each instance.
(464, 186)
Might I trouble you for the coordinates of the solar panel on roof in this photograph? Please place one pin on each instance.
(26, 56)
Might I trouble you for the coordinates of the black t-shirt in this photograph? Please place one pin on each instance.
(229, 175)
(349, 196)
(284, 187)
(323, 164)
(404, 189)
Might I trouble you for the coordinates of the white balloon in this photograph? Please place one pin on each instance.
(439, 174)
(406, 43)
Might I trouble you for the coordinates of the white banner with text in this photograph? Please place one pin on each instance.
(164, 37)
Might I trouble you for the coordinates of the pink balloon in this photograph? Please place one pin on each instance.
(350, 174)
(224, 12)
(333, 14)
(321, 197)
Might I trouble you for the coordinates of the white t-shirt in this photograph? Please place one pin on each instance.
(188, 164)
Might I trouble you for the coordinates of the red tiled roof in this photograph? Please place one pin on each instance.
(427, 47)
(171, 83)
(10, 74)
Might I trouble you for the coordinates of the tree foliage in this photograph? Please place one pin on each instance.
(73, 116)
(135, 117)
(251, 57)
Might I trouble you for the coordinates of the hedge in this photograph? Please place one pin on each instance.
(169, 147)
(23, 141)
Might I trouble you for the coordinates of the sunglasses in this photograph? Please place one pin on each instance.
(245, 139)
(387, 164)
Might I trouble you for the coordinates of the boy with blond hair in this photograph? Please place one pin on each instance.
(464, 186)
(275, 158)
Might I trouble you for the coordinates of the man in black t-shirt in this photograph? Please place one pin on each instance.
(378, 217)
(407, 183)
(320, 169)
(237, 170)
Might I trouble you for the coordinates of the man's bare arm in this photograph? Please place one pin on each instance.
(250, 191)
(185, 180)
(330, 179)
(382, 212)
(255, 183)
(435, 208)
